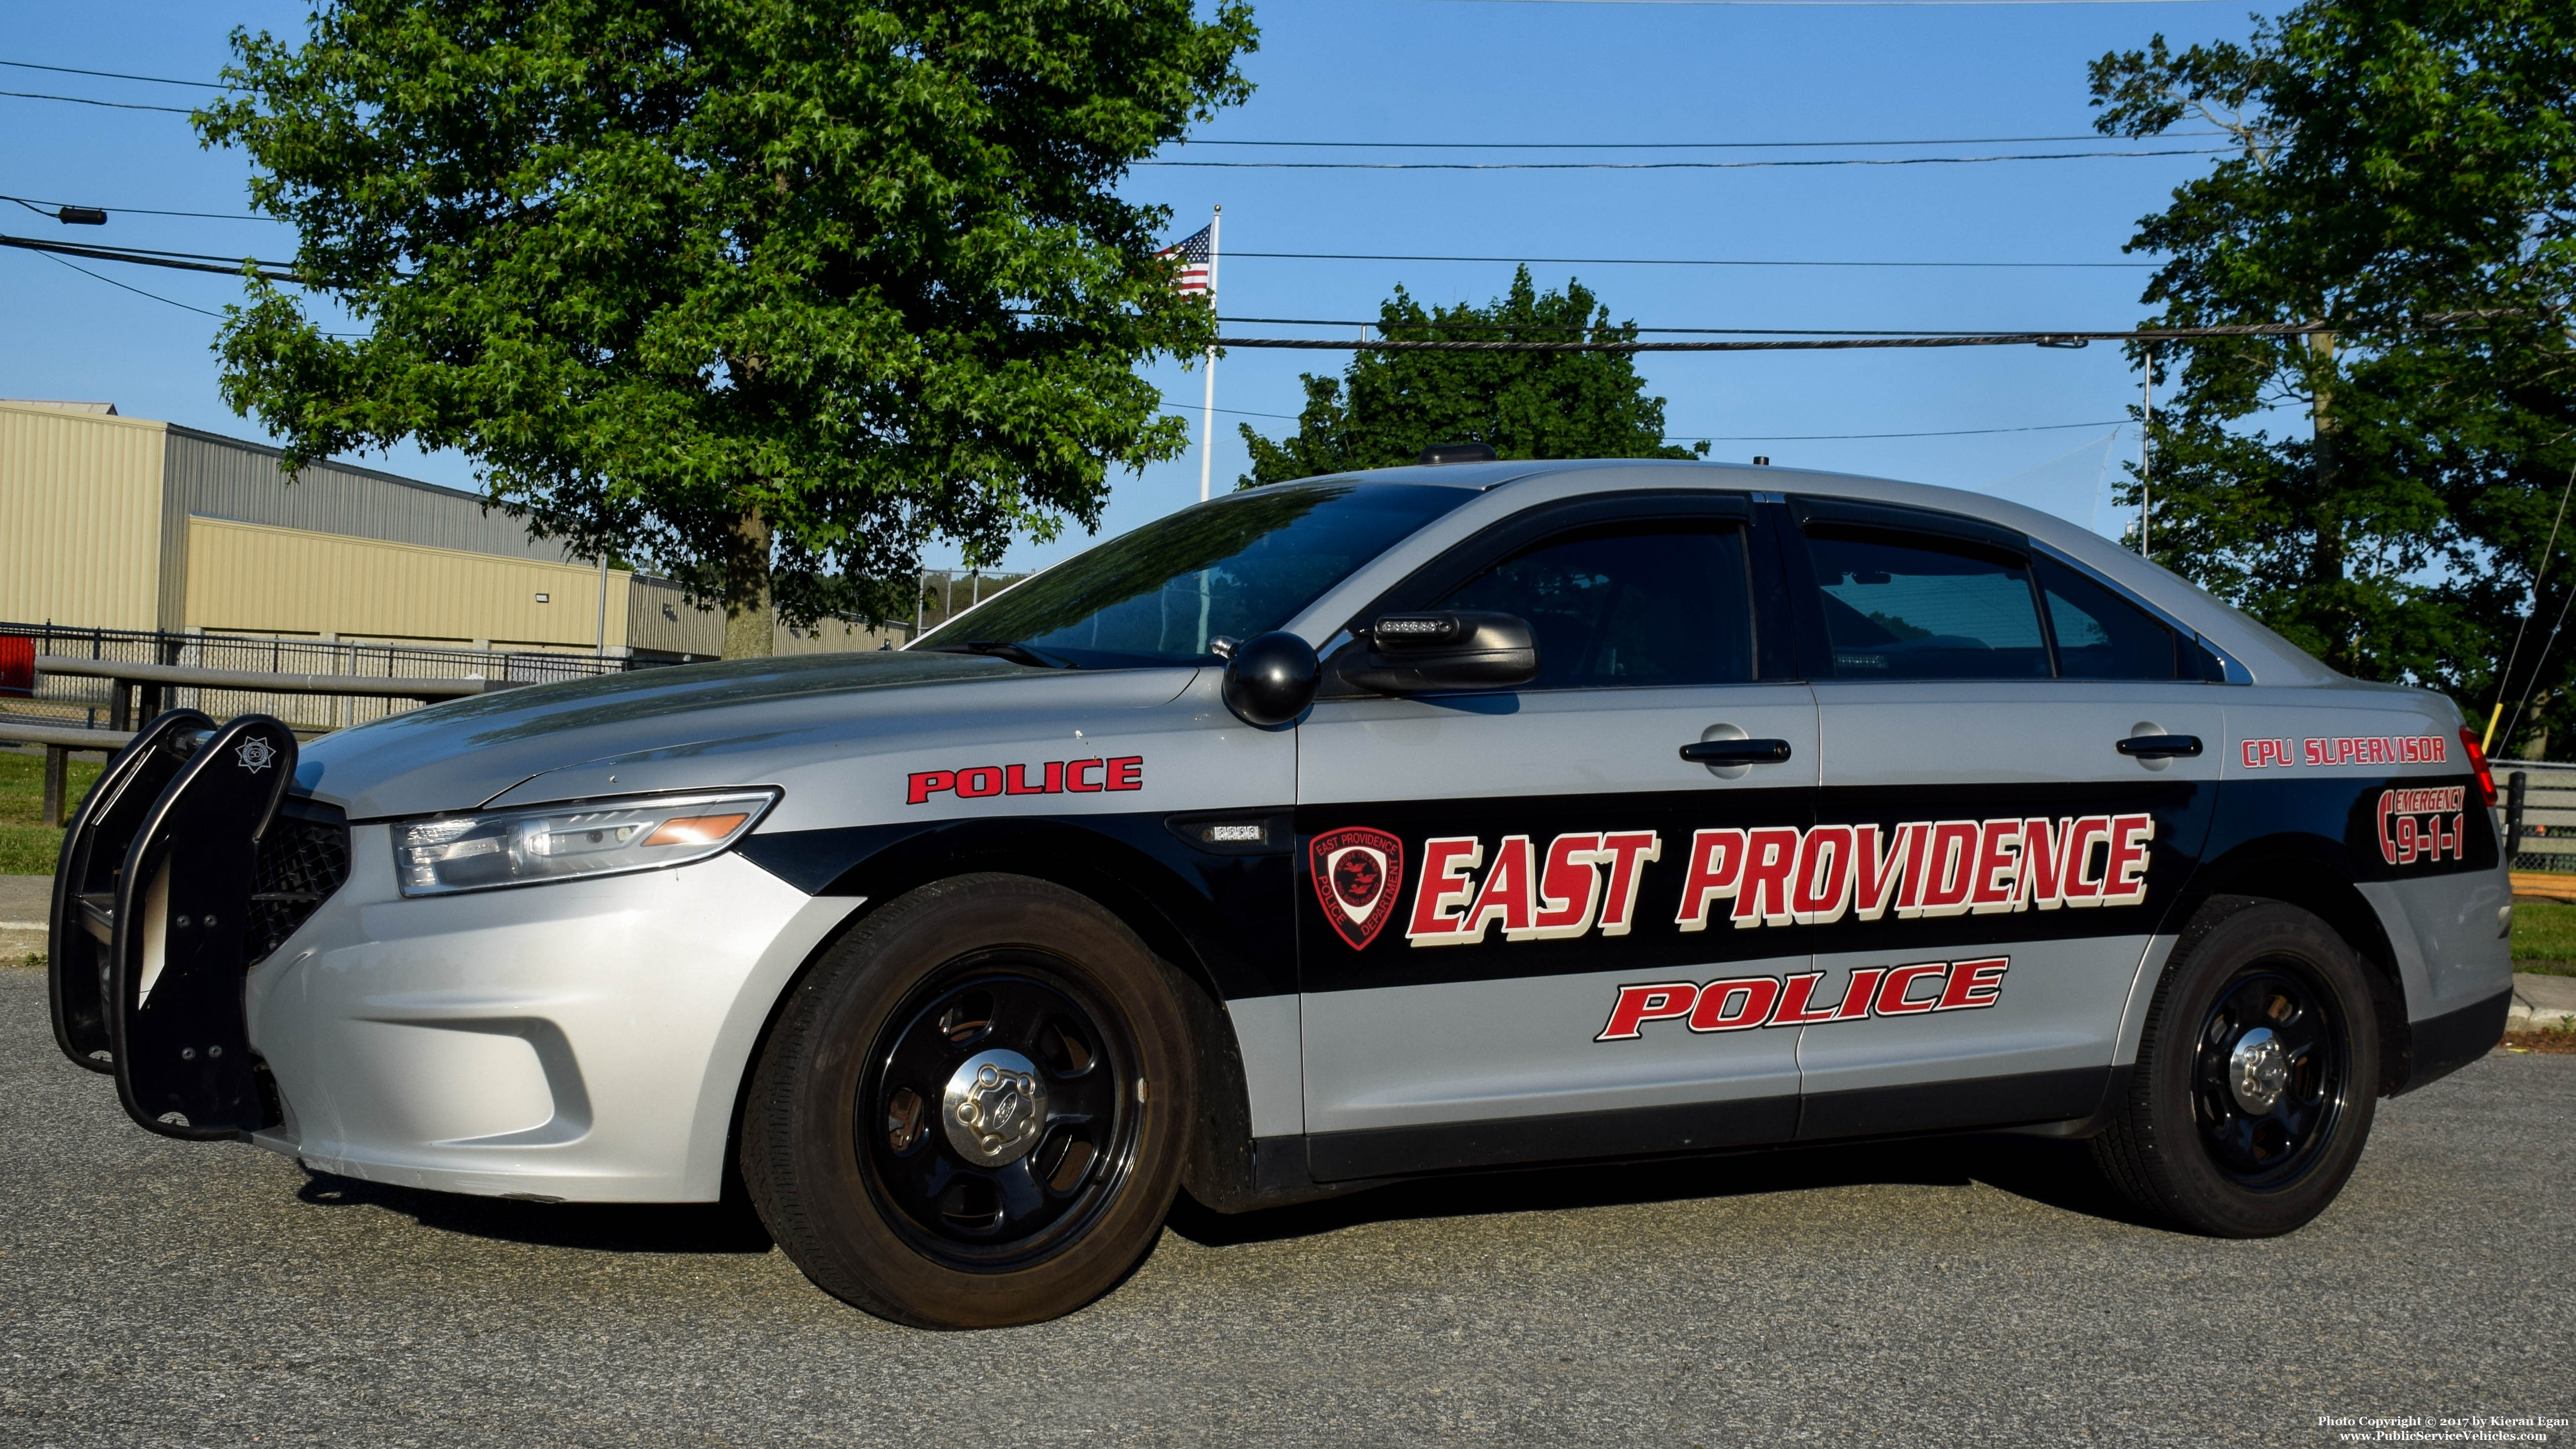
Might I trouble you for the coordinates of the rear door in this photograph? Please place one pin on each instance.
(1491, 965)
(1975, 697)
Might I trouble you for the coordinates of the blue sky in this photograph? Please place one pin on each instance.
(1408, 71)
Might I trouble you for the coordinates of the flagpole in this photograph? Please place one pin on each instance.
(1207, 431)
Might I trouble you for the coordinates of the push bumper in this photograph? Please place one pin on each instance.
(580, 1040)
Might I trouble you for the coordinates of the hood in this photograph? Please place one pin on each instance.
(457, 755)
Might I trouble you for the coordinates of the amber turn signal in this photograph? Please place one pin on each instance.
(694, 830)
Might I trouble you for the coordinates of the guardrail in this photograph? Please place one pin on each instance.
(59, 742)
(400, 673)
(138, 683)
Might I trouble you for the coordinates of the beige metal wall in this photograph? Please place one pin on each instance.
(215, 477)
(661, 620)
(253, 578)
(80, 518)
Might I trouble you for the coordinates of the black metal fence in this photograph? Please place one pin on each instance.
(2539, 800)
(91, 701)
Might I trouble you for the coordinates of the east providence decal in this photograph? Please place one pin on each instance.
(1773, 875)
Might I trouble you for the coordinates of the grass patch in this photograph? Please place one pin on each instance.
(26, 846)
(2544, 937)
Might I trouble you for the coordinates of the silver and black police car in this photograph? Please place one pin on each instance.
(1432, 819)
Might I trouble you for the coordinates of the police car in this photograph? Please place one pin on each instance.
(1430, 820)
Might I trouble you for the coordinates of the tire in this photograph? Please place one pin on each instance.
(2224, 1130)
(881, 1143)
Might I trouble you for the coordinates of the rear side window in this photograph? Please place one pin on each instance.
(1628, 606)
(1911, 606)
(2101, 635)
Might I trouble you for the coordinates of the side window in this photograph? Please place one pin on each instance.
(1912, 606)
(1628, 606)
(2101, 635)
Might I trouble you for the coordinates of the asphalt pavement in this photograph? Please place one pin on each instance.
(1976, 1290)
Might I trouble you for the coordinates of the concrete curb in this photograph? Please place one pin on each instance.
(2542, 1003)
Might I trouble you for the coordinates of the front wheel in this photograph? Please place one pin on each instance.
(970, 1114)
(2256, 1077)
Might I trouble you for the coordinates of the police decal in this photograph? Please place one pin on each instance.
(1359, 873)
(1746, 1003)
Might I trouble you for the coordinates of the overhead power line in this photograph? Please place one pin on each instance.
(142, 257)
(1663, 145)
(1830, 3)
(111, 105)
(1667, 165)
(138, 291)
(158, 80)
(1842, 437)
(141, 210)
(2437, 320)
(1583, 328)
(1668, 261)
(1754, 437)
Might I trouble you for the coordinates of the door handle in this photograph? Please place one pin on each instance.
(1738, 752)
(2160, 747)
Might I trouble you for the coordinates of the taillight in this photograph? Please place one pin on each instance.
(2478, 760)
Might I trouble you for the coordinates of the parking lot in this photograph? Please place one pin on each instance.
(162, 1293)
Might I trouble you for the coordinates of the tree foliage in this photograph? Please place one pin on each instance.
(2401, 173)
(771, 292)
(1388, 406)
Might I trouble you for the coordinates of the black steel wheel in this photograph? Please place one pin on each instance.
(2270, 1075)
(971, 1112)
(2256, 1078)
(997, 1115)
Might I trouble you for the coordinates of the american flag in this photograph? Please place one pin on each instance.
(1193, 254)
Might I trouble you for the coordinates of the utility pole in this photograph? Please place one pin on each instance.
(1207, 433)
(2146, 451)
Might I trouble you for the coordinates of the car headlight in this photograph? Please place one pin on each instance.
(558, 842)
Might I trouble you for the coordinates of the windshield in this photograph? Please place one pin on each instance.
(1241, 566)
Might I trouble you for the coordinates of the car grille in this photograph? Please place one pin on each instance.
(303, 858)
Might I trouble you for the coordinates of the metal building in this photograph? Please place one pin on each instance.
(113, 522)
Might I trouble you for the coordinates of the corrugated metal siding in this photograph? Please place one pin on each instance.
(832, 636)
(217, 477)
(80, 515)
(661, 620)
(659, 617)
(252, 578)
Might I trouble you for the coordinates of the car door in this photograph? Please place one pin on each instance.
(1491, 968)
(2033, 756)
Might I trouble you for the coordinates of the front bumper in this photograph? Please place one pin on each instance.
(581, 1040)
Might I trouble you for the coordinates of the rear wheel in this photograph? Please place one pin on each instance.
(970, 1114)
(2256, 1078)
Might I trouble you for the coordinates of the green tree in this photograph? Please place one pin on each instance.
(1388, 406)
(2391, 165)
(769, 291)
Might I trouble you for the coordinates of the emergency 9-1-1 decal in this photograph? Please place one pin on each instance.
(2423, 824)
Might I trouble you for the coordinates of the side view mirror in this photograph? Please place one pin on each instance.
(1269, 678)
(1415, 653)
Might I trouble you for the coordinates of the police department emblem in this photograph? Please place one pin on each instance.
(1358, 873)
(255, 754)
